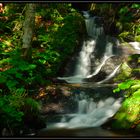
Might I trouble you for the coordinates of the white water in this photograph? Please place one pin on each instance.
(86, 14)
(92, 29)
(83, 66)
(90, 113)
(72, 79)
(96, 113)
(109, 47)
(135, 45)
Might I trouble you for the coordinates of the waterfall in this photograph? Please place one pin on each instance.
(95, 52)
(90, 113)
(95, 113)
(94, 25)
(84, 63)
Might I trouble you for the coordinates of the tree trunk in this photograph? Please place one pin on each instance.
(28, 28)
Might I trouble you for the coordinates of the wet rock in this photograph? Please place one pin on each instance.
(100, 76)
(126, 49)
(52, 108)
(108, 123)
(55, 80)
(65, 91)
(111, 64)
(6, 132)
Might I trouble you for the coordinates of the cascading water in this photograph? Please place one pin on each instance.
(96, 53)
(90, 113)
(93, 56)
(83, 66)
(88, 63)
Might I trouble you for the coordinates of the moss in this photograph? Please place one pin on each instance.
(137, 38)
(129, 113)
(126, 36)
(125, 72)
(126, 69)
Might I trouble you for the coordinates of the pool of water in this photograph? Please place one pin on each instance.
(85, 132)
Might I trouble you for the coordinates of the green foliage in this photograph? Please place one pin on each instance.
(123, 10)
(10, 114)
(123, 35)
(129, 14)
(59, 40)
(55, 39)
(129, 113)
(128, 84)
(135, 5)
(15, 107)
(53, 50)
(31, 106)
(137, 38)
(20, 72)
(69, 33)
(32, 118)
(126, 72)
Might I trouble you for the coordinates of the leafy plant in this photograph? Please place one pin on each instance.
(11, 116)
(129, 114)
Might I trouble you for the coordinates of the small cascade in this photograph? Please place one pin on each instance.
(93, 29)
(90, 113)
(82, 105)
(109, 48)
(94, 25)
(86, 14)
(95, 113)
(84, 63)
(91, 106)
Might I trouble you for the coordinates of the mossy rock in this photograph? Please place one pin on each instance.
(129, 113)
(126, 69)
(126, 36)
(125, 44)
(125, 72)
(137, 38)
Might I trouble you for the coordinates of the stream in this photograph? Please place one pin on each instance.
(95, 103)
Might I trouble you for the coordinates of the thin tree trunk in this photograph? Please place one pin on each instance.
(28, 28)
